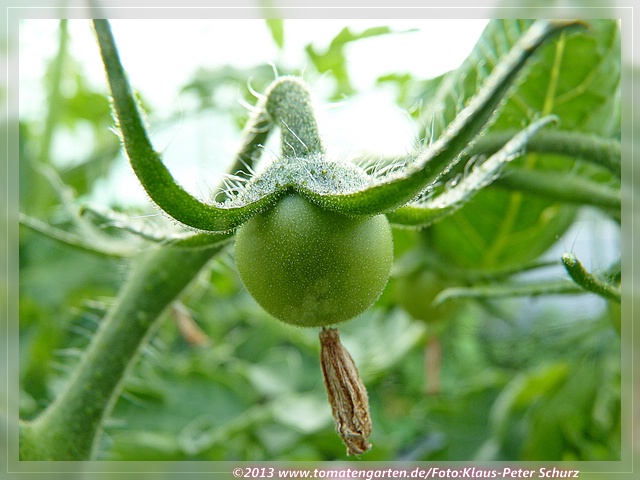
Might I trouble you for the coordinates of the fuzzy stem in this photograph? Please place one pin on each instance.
(255, 135)
(567, 188)
(478, 276)
(589, 147)
(509, 290)
(451, 200)
(74, 240)
(605, 152)
(288, 102)
(69, 426)
(141, 227)
(588, 281)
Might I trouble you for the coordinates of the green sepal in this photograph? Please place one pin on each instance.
(428, 212)
(147, 163)
(388, 194)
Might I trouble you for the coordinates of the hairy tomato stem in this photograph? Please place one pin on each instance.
(605, 152)
(67, 429)
(587, 280)
(288, 102)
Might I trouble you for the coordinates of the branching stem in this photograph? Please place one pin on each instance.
(509, 290)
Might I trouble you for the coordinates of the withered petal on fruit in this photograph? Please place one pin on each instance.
(347, 394)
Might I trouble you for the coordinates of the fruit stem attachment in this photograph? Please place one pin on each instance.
(289, 103)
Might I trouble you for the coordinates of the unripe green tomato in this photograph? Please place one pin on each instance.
(415, 293)
(311, 267)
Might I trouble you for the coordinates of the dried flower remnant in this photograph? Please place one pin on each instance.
(188, 328)
(347, 395)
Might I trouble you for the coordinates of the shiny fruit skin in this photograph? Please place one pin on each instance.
(312, 267)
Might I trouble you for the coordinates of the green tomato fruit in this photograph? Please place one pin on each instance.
(415, 293)
(311, 267)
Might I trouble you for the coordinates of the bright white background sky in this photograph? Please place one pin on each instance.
(160, 54)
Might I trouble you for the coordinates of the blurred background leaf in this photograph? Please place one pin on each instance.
(499, 227)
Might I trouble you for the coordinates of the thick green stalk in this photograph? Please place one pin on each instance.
(287, 103)
(69, 426)
(585, 146)
(566, 188)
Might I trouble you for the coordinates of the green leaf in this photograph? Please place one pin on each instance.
(548, 414)
(276, 27)
(334, 59)
(504, 227)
